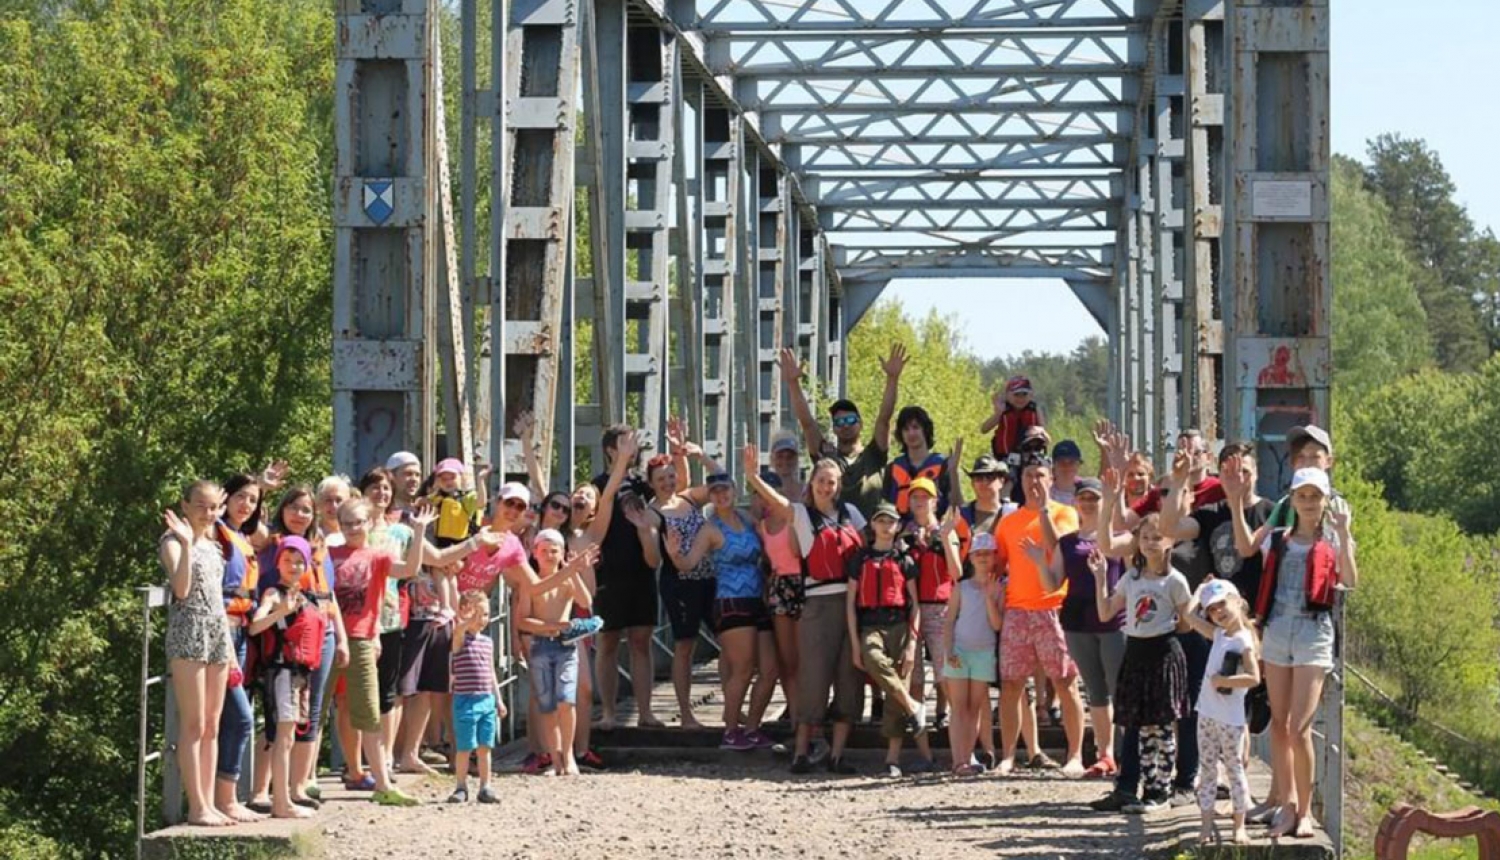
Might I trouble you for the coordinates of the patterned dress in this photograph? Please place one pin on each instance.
(197, 628)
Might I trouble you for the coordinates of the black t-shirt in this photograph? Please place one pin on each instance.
(620, 553)
(1214, 550)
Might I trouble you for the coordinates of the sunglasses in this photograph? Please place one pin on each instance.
(560, 507)
(513, 504)
(846, 421)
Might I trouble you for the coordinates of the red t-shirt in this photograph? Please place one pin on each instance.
(483, 568)
(1206, 492)
(359, 585)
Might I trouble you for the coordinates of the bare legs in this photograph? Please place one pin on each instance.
(199, 689)
(1295, 693)
(736, 667)
(682, 681)
(767, 671)
(787, 641)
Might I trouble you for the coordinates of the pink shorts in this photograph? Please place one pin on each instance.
(1031, 641)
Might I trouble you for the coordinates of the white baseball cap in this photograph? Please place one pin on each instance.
(1312, 477)
(1216, 591)
(513, 490)
(552, 536)
(983, 542)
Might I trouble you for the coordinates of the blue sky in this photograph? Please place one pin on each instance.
(1421, 69)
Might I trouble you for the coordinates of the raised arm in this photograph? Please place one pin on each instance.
(894, 363)
(778, 504)
(1236, 496)
(997, 403)
(1108, 605)
(176, 555)
(955, 475)
(1177, 521)
(683, 451)
(647, 528)
(791, 374)
(626, 448)
(949, 535)
(422, 516)
(1193, 618)
(525, 427)
(1114, 496)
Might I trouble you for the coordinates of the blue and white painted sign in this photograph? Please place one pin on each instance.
(379, 199)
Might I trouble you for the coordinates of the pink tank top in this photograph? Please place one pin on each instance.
(780, 551)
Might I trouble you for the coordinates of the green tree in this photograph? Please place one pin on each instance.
(165, 273)
(1411, 179)
(1379, 326)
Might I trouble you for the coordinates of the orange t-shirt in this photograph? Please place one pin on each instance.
(1025, 588)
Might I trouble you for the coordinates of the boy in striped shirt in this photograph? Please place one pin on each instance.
(476, 697)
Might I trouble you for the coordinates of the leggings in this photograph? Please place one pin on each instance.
(1158, 756)
(236, 722)
(1221, 744)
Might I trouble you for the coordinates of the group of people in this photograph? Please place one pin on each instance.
(1168, 601)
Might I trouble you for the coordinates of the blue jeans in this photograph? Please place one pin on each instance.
(236, 722)
(1195, 648)
(554, 674)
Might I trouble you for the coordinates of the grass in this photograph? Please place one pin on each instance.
(1381, 771)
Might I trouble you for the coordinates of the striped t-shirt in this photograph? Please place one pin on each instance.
(474, 666)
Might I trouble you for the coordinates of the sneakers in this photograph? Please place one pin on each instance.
(736, 739)
(801, 764)
(817, 751)
(893, 770)
(840, 767)
(459, 795)
(1115, 801)
(488, 795)
(760, 740)
(396, 797)
(1183, 797)
(1151, 802)
(534, 764)
(590, 760)
(581, 628)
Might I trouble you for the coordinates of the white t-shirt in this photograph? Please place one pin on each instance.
(1229, 708)
(1151, 603)
(802, 524)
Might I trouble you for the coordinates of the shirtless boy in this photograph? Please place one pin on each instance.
(544, 610)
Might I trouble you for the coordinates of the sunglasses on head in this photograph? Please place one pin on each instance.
(846, 420)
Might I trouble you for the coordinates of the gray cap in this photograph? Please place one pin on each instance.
(885, 509)
(1088, 485)
(1297, 435)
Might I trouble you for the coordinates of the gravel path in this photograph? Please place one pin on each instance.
(751, 810)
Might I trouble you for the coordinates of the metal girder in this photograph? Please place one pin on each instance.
(817, 15)
(1057, 125)
(900, 92)
(1015, 219)
(1059, 54)
(959, 158)
(1083, 264)
(834, 192)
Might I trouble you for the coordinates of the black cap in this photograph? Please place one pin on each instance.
(1088, 485)
(719, 479)
(987, 465)
(843, 405)
(1067, 449)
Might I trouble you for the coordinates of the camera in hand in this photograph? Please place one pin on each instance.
(1231, 667)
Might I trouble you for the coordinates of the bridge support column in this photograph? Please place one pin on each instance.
(1203, 57)
(1167, 225)
(770, 255)
(717, 193)
(1278, 295)
(385, 220)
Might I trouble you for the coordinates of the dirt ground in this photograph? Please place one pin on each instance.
(739, 811)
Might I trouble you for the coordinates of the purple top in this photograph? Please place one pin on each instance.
(1080, 611)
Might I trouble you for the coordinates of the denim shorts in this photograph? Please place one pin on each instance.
(554, 674)
(973, 665)
(1299, 640)
(473, 721)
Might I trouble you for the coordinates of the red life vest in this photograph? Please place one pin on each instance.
(295, 642)
(834, 543)
(933, 582)
(1321, 576)
(901, 473)
(882, 582)
(1012, 426)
